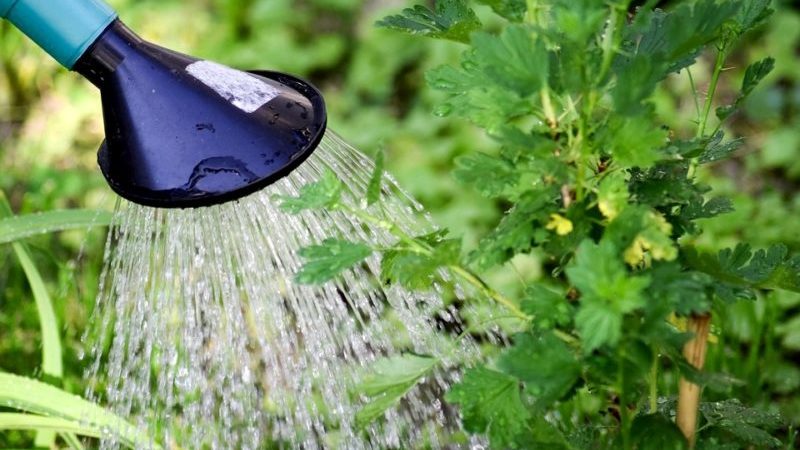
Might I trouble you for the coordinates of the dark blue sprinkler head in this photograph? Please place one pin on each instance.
(183, 132)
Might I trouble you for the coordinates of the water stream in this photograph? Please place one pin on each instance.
(202, 336)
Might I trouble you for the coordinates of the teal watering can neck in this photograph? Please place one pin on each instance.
(63, 28)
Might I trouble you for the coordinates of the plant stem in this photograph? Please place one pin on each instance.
(654, 384)
(712, 88)
(461, 271)
(611, 38)
(478, 283)
(549, 112)
(689, 393)
(624, 414)
(694, 94)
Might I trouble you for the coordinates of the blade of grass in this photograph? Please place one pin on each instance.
(19, 227)
(52, 364)
(18, 421)
(25, 394)
(72, 440)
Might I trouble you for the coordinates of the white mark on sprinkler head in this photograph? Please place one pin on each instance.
(243, 90)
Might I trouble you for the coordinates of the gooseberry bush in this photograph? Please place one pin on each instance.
(608, 197)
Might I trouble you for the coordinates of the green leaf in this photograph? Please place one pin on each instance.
(772, 268)
(25, 394)
(753, 75)
(324, 193)
(491, 405)
(608, 292)
(489, 175)
(711, 208)
(328, 259)
(674, 35)
(415, 269)
(27, 225)
(682, 291)
(376, 180)
(451, 19)
(612, 194)
(514, 60)
(476, 98)
(578, 20)
(656, 432)
(636, 81)
(513, 10)
(545, 363)
(546, 307)
(599, 274)
(599, 324)
(51, 341)
(749, 426)
(633, 141)
(52, 364)
(716, 150)
(388, 380)
(16, 421)
(516, 232)
(752, 13)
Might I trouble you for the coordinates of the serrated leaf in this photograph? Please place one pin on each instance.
(753, 75)
(516, 231)
(513, 10)
(752, 13)
(514, 60)
(598, 324)
(656, 432)
(608, 292)
(684, 291)
(489, 175)
(388, 380)
(450, 19)
(612, 194)
(376, 180)
(633, 142)
(476, 99)
(748, 425)
(740, 267)
(324, 193)
(716, 150)
(636, 81)
(328, 259)
(599, 273)
(547, 307)
(711, 208)
(676, 34)
(546, 365)
(490, 404)
(418, 270)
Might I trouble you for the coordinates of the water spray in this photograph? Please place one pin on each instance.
(200, 331)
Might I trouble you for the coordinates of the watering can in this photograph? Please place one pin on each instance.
(179, 131)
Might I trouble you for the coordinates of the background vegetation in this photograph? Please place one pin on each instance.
(50, 128)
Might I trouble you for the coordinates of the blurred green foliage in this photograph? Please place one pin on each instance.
(51, 126)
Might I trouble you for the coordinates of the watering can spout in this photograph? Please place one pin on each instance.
(180, 131)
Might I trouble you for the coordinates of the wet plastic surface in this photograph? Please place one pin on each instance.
(176, 139)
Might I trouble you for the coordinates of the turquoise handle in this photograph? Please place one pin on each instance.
(63, 28)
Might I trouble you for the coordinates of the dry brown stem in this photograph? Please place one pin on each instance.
(689, 393)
